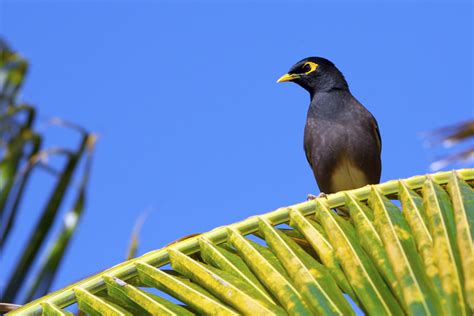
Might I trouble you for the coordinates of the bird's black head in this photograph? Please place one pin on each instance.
(316, 74)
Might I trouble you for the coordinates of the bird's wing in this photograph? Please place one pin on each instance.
(312, 136)
(320, 151)
(376, 130)
(372, 125)
(307, 151)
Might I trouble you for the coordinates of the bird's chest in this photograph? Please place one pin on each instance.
(328, 133)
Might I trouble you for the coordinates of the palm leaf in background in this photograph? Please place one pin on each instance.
(417, 260)
(460, 135)
(21, 154)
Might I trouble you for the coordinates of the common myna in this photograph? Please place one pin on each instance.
(341, 137)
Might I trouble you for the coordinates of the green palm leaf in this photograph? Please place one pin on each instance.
(21, 153)
(389, 261)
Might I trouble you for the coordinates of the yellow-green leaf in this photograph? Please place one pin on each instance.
(224, 285)
(415, 215)
(373, 293)
(442, 227)
(322, 247)
(270, 276)
(94, 305)
(187, 292)
(418, 296)
(311, 279)
(462, 196)
(363, 219)
(225, 260)
(153, 304)
(52, 310)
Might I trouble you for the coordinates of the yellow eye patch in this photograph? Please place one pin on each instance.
(292, 76)
(312, 67)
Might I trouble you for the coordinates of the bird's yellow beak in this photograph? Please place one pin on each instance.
(288, 77)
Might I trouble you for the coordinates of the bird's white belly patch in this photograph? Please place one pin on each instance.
(346, 176)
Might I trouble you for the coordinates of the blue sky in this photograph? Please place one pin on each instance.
(194, 129)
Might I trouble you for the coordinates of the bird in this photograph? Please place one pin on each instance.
(342, 139)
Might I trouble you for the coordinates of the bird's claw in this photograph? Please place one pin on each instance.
(313, 197)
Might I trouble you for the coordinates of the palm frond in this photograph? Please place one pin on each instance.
(460, 135)
(414, 259)
(21, 153)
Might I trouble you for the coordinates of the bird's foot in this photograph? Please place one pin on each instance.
(313, 197)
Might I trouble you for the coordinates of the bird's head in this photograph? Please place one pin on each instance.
(315, 74)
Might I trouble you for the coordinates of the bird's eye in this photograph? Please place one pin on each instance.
(309, 67)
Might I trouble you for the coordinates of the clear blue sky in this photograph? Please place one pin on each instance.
(194, 129)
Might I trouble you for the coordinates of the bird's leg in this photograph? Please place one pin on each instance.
(312, 197)
(341, 211)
